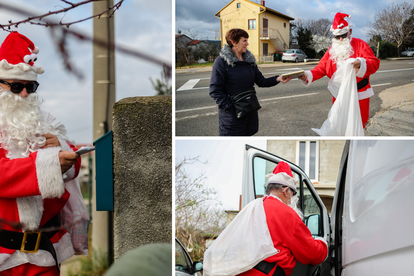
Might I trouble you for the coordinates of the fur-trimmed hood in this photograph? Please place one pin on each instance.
(230, 57)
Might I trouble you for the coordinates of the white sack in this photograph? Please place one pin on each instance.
(244, 243)
(344, 118)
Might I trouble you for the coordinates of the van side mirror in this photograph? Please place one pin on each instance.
(198, 266)
(312, 222)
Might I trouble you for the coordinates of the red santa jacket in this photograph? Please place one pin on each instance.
(291, 237)
(369, 65)
(32, 192)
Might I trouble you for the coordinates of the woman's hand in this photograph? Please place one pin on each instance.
(51, 141)
(283, 79)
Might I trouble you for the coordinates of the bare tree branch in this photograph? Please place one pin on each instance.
(60, 38)
(391, 23)
(32, 17)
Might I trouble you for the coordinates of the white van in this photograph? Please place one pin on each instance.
(371, 229)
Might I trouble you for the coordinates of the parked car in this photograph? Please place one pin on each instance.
(408, 53)
(294, 55)
(369, 227)
(184, 266)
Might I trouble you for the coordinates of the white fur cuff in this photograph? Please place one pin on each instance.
(363, 68)
(49, 174)
(310, 78)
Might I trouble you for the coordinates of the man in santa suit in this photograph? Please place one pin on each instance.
(43, 220)
(294, 242)
(345, 46)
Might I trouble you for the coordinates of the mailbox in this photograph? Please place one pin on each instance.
(104, 173)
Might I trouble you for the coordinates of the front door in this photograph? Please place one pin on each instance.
(265, 49)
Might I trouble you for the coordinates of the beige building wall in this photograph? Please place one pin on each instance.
(275, 23)
(330, 152)
(233, 17)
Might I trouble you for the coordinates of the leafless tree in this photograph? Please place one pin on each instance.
(394, 23)
(320, 30)
(321, 27)
(60, 31)
(197, 211)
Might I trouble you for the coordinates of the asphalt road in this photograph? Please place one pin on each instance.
(287, 109)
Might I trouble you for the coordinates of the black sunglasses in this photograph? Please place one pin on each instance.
(339, 36)
(293, 191)
(17, 87)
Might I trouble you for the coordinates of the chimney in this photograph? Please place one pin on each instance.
(262, 2)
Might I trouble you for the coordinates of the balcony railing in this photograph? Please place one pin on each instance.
(270, 33)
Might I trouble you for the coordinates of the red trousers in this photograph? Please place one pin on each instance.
(30, 270)
(364, 108)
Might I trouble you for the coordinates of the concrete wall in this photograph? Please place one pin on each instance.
(142, 172)
(330, 153)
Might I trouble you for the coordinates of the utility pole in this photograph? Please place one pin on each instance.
(103, 100)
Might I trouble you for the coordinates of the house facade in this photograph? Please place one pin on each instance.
(268, 29)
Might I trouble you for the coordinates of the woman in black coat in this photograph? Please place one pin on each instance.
(235, 71)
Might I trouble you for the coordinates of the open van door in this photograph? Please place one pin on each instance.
(258, 163)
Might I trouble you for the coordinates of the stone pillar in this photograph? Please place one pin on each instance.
(142, 147)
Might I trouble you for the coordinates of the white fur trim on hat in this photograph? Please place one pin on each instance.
(282, 178)
(341, 31)
(49, 174)
(21, 71)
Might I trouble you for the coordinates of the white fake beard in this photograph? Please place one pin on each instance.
(293, 203)
(21, 124)
(340, 50)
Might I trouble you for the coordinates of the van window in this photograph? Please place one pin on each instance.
(312, 212)
(261, 167)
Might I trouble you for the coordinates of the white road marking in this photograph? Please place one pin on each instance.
(192, 88)
(195, 116)
(189, 84)
(287, 97)
(272, 99)
(395, 70)
(380, 84)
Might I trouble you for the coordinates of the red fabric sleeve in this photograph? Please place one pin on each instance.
(77, 164)
(305, 248)
(372, 61)
(320, 70)
(18, 177)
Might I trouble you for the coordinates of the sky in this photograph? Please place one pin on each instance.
(145, 26)
(198, 15)
(224, 164)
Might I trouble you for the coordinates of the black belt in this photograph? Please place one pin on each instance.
(362, 83)
(266, 267)
(30, 241)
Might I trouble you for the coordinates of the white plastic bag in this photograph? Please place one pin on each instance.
(344, 118)
(244, 243)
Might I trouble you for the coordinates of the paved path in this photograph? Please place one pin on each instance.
(396, 117)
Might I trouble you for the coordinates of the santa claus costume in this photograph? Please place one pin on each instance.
(267, 237)
(290, 235)
(333, 58)
(33, 191)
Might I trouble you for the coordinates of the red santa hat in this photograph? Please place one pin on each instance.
(340, 25)
(282, 174)
(17, 57)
